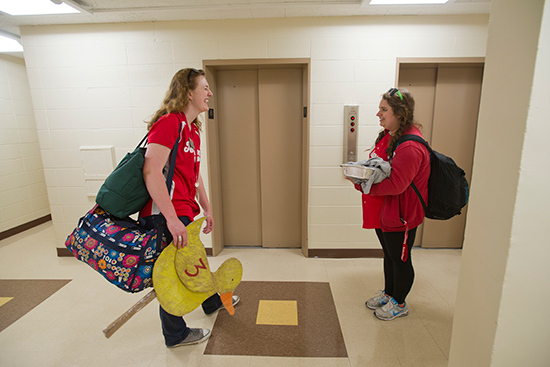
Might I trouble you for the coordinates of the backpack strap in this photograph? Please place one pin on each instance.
(172, 166)
(424, 206)
(173, 156)
(413, 137)
(143, 140)
(418, 139)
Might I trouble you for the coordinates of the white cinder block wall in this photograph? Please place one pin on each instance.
(23, 195)
(96, 84)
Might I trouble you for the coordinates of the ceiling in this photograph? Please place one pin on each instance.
(123, 11)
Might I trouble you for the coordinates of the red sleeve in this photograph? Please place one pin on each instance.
(165, 131)
(404, 167)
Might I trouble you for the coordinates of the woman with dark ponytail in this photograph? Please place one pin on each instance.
(392, 207)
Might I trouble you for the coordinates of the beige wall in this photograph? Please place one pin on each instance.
(23, 195)
(503, 289)
(89, 80)
(95, 84)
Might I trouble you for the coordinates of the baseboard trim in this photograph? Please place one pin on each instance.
(64, 252)
(320, 253)
(334, 253)
(25, 226)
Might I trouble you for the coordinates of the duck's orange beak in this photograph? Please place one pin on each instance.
(227, 299)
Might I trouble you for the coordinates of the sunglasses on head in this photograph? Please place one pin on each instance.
(392, 91)
(189, 74)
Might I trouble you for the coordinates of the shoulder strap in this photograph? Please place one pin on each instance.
(418, 139)
(420, 197)
(172, 167)
(143, 140)
(412, 137)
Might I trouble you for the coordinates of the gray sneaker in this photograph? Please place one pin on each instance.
(235, 300)
(378, 301)
(195, 336)
(391, 310)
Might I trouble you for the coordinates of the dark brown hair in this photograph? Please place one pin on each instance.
(402, 104)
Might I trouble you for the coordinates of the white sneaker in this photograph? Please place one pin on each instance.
(378, 301)
(391, 310)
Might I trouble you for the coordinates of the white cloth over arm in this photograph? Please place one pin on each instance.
(381, 170)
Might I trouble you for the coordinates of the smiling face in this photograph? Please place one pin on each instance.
(199, 96)
(388, 120)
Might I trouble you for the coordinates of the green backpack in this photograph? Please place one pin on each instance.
(124, 191)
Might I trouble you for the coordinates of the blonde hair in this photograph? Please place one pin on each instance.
(177, 96)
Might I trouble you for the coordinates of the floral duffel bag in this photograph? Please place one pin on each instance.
(122, 251)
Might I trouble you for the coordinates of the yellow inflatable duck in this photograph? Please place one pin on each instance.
(182, 278)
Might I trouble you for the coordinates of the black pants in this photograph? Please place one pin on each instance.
(398, 274)
(174, 328)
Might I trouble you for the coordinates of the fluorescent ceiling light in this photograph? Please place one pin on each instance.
(35, 7)
(9, 45)
(406, 2)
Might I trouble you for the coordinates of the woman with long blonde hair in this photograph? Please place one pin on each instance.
(177, 119)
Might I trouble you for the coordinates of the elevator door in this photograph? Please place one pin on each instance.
(447, 105)
(260, 156)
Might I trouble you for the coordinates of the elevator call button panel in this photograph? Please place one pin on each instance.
(351, 125)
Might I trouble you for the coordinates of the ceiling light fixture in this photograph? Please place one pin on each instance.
(406, 2)
(35, 7)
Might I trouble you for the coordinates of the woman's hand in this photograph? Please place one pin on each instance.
(209, 224)
(205, 205)
(179, 233)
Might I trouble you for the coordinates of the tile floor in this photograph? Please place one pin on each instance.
(66, 329)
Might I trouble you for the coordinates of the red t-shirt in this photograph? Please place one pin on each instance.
(372, 205)
(165, 132)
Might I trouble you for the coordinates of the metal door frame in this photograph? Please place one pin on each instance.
(212, 137)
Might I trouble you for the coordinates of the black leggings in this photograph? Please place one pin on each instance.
(398, 274)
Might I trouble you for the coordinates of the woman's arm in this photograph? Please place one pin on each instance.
(155, 159)
(404, 167)
(205, 205)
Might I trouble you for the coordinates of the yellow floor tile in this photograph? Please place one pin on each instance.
(277, 313)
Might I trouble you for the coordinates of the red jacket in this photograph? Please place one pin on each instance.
(402, 208)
